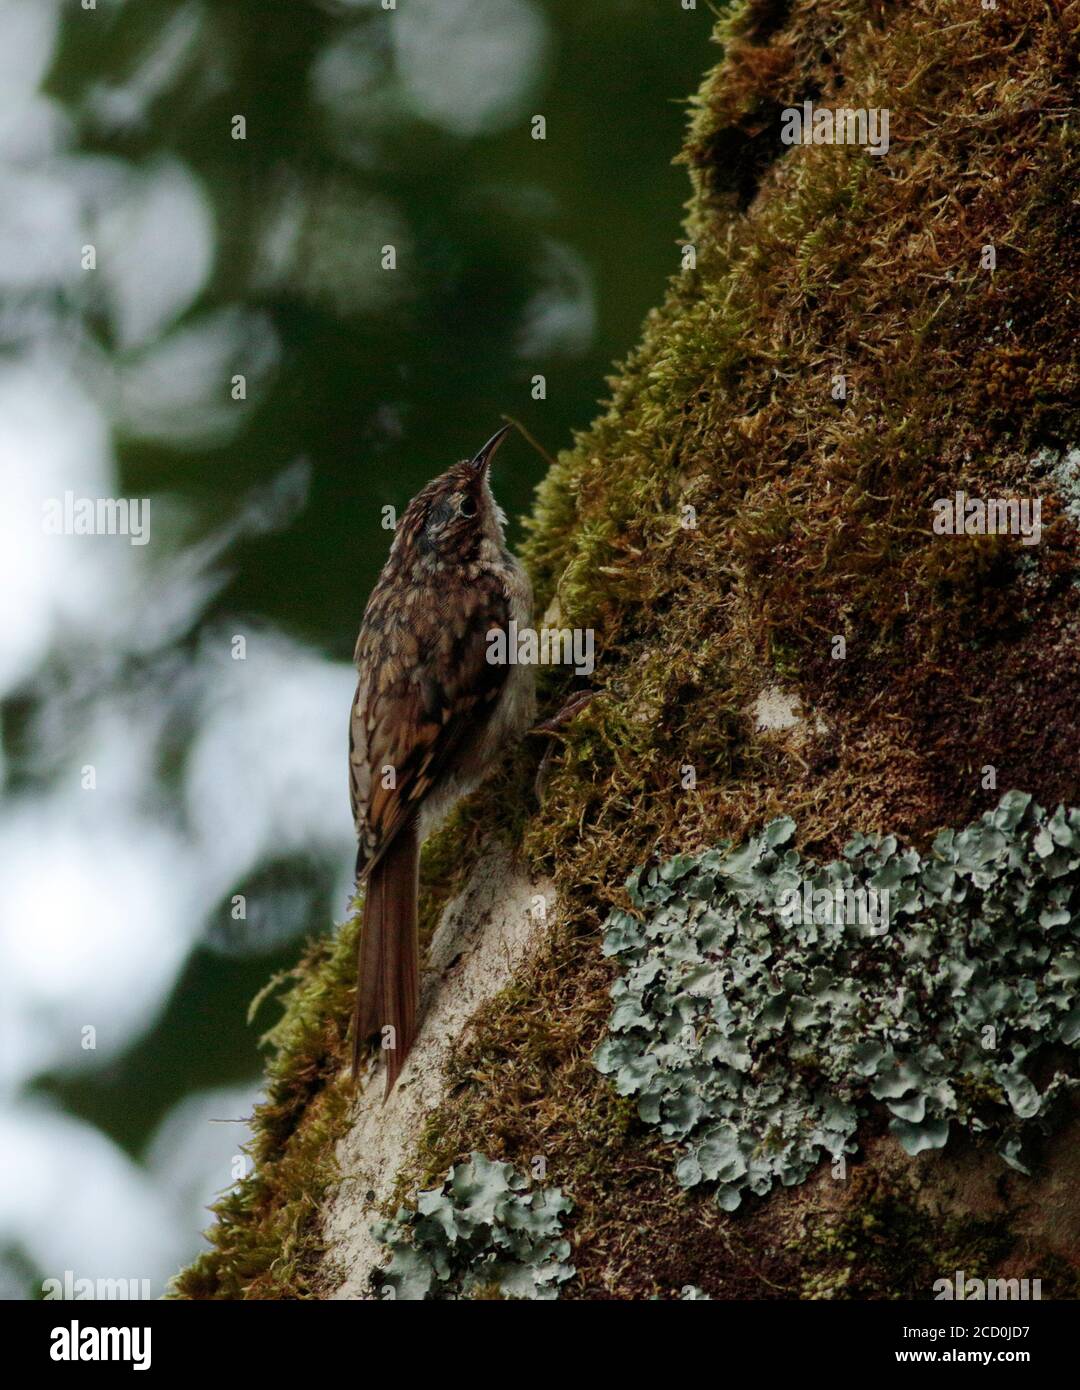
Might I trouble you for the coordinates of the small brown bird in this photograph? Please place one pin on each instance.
(430, 718)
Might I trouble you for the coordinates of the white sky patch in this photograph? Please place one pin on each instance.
(32, 125)
(469, 66)
(155, 245)
(72, 1200)
(191, 1156)
(52, 438)
(41, 230)
(33, 129)
(97, 915)
(30, 30)
(266, 774)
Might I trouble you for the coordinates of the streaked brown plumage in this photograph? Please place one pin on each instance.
(430, 718)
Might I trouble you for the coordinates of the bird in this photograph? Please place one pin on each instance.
(431, 716)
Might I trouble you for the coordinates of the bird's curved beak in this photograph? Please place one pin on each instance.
(487, 453)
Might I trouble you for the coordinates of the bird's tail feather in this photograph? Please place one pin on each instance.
(388, 972)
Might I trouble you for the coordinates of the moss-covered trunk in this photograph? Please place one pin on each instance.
(749, 529)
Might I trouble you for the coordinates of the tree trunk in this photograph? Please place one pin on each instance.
(784, 627)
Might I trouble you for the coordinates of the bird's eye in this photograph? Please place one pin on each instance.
(467, 507)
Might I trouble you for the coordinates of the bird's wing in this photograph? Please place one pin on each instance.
(426, 689)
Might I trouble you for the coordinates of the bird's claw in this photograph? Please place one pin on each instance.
(573, 706)
(554, 725)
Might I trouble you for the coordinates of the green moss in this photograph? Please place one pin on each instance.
(884, 1245)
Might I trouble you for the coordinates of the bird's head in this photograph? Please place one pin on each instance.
(455, 512)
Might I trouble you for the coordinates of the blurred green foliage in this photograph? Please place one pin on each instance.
(378, 390)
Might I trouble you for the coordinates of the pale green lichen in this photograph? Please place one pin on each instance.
(756, 1032)
(1063, 466)
(482, 1231)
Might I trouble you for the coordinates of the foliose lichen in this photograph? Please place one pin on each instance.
(764, 1004)
(481, 1232)
(1063, 466)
